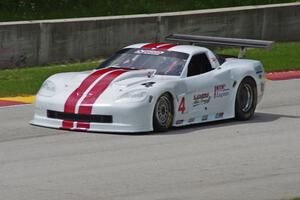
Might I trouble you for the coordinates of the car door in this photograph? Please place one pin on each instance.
(206, 90)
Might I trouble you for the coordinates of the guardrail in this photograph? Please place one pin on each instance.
(30, 43)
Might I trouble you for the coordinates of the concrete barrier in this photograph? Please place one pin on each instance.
(66, 40)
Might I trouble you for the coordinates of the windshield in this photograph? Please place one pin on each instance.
(164, 62)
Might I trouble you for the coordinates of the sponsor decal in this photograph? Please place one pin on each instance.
(200, 99)
(149, 52)
(191, 120)
(204, 117)
(219, 115)
(179, 121)
(259, 71)
(221, 91)
(262, 87)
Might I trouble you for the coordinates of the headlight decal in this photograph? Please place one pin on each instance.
(48, 89)
(133, 96)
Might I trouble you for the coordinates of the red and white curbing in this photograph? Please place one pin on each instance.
(6, 103)
(283, 75)
(16, 101)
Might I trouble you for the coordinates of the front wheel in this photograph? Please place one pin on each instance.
(163, 113)
(246, 99)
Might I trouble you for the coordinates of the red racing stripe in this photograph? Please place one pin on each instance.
(88, 102)
(72, 100)
(166, 46)
(152, 45)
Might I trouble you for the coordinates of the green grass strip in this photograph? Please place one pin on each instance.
(282, 57)
(27, 81)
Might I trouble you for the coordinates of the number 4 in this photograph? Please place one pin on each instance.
(181, 107)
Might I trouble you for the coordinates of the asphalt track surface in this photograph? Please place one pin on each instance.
(257, 159)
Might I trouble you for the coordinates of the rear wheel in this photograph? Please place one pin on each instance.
(246, 99)
(163, 113)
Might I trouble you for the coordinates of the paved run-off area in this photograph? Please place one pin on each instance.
(257, 159)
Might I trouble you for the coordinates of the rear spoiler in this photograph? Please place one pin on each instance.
(221, 41)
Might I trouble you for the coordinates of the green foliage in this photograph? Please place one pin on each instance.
(11, 10)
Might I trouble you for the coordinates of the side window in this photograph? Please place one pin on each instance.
(199, 64)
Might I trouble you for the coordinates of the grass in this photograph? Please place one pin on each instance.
(282, 57)
(15, 10)
(27, 81)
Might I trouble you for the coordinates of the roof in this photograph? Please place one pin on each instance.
(189, 49)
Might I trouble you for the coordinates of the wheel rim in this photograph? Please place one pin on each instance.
(163, 111)
(246, 97)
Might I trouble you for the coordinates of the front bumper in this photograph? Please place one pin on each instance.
(94, 127)
(130, 117)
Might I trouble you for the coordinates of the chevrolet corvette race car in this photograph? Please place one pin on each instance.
(154, 86)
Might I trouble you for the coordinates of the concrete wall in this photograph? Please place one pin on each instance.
(272, 22)
(57, 41)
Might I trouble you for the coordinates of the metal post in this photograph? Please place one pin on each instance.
(242, 52)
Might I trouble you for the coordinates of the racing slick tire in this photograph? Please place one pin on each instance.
(163, 113)
(246, 99)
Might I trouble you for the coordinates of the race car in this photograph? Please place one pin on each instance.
(155, 86)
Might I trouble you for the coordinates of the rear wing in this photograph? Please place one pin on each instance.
(221, 41)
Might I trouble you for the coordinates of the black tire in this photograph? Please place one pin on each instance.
(246, 99)
(163, 113)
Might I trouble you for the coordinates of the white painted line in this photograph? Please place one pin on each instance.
(19, 105)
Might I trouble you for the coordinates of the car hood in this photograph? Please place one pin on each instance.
(125, 82)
